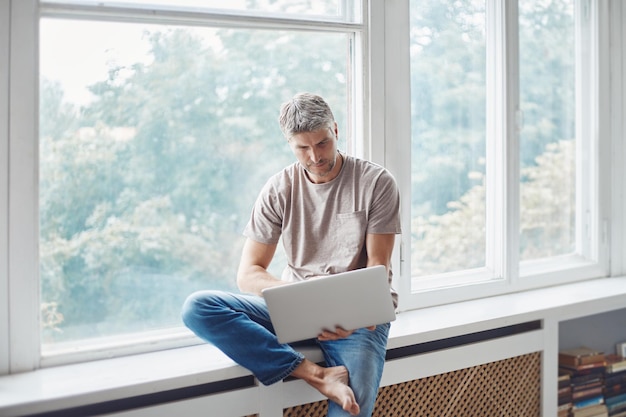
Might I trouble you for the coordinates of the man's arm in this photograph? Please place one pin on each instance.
(379, 248)
(252, 275)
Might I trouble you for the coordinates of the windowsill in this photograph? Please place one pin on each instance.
(112, 379)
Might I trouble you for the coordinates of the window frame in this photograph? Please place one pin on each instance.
(615, 225)
(379, 100)
(592, 194)
(23, 351)
(503, 272)
(23, 289)
(4, 188)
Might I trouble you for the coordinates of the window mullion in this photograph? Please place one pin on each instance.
(374, 108)
(4, 182)
(513, 126)
(617, 225)
(390, 118)
(593, 121)
(503, 124)
(22, 208)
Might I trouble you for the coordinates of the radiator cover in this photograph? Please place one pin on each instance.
(506, 388)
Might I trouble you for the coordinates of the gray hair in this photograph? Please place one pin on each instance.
(305, 112)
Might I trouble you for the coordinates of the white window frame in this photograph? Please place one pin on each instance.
(382, 68)
(593, 137)
(615, 227)
(504, 273)
(4, 187)
(19, 321)
(23, 288)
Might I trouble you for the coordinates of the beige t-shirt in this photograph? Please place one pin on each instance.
(323, 226)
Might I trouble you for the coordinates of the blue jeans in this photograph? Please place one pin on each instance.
(239, 325)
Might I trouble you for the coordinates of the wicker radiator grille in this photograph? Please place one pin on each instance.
(507, 388)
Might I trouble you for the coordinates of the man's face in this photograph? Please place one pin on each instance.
(317, 153)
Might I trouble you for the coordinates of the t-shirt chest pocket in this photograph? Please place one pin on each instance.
(351, 229)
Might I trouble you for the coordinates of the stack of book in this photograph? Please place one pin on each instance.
(565, 394)
(615, 385)
(585, 368)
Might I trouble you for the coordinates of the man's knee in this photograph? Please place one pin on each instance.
(200, 304)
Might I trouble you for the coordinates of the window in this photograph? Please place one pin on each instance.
(548, 135)
(157, 127)
(494, 102)
(155, 139)
(448, 131)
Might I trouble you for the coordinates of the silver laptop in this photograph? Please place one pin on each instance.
(350, 300)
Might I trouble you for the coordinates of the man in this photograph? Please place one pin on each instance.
(335, 213)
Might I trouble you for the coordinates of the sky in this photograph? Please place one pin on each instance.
(78, 53)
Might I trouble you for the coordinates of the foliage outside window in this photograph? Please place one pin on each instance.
(448, 136)
(449, 165)
(154, 142)
(155, 138)
(547, 139)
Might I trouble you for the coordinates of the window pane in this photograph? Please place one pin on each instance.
(343, 10)
(154, 142)
(547, 140)
(448, 135)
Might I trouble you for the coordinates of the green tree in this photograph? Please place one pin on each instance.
(448, 135)
(447, 241)
(145, 194)
(547, 61)
(448, 100)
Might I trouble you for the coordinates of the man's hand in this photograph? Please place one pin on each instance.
(339, 333)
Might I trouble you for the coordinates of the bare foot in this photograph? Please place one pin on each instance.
(331, 382)
(334, 385)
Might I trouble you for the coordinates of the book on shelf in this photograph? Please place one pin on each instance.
(617, 399)
(564, 410)
(585, 385)
(613, 390)
(575, 372)
(616, 403)
(615, 363)
(564, 398)
(588, 402)
(591, 384)
(615, 384)
(584, 368)
(616, 409)
(564, 392)
(579, 356)
(579, 379)
(564, 379)
(598, 410)
(585, 394)
(615, 378)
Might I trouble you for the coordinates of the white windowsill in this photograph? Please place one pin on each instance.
(112, 379)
